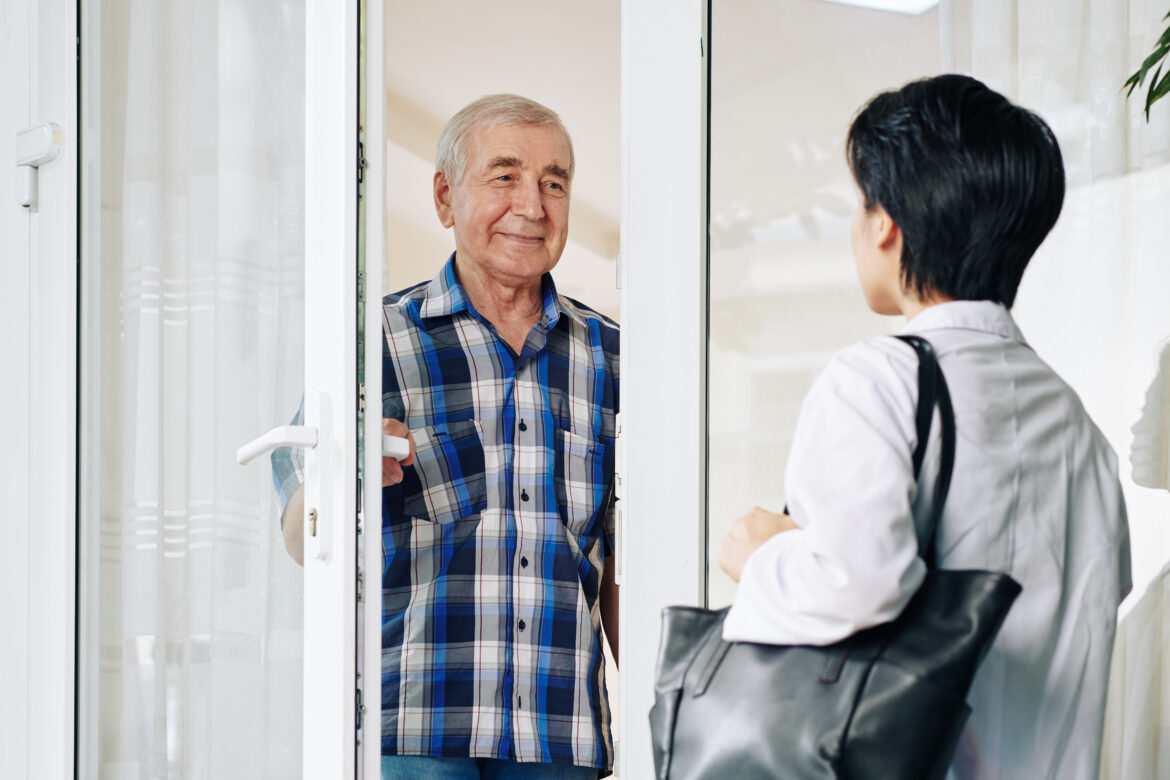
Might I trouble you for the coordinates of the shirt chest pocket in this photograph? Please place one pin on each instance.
(583, 473)
(446, 482)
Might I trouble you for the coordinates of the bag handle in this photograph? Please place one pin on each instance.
(933, 391)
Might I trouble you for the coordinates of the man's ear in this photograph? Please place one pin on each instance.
(443, 200)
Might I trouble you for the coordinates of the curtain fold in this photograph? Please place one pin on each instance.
(1093, 301)
(1067, 60)
(202, 235)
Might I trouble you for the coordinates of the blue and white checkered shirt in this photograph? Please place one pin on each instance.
(495, 541)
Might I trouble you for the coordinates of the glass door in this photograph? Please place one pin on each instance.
(783, 291)
(219, 295)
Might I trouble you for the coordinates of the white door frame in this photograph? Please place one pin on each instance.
(40, 399)
(15, 352)
(664, 336)
(373, 117)
(331, 56)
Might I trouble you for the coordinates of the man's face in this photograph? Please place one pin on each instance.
(510, 212)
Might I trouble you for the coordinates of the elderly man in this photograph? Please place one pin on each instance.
(497, 526)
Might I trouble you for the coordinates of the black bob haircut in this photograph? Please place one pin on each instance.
(974, 183)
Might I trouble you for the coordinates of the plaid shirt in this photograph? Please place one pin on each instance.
(495, 541)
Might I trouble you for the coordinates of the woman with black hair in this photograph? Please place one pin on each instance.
(958, 189)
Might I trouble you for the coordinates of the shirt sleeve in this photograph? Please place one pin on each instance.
(288, 467)
(853, 563)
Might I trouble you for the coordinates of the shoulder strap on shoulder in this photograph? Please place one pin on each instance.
(932, 391)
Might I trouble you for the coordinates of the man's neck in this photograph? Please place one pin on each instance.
(512, 306)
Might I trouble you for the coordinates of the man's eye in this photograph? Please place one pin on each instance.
(505, 177)
(554, 185)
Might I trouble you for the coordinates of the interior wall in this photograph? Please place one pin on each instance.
(442, 55)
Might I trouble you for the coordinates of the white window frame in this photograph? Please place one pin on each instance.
(662, 544)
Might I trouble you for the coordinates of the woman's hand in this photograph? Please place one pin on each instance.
(391, 468)
(746, 535)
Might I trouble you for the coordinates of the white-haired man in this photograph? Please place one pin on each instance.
(496, 528)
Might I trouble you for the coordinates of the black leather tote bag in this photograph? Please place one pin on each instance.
(888, 702)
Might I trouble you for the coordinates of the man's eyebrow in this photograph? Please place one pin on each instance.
(505, 162)
(557, 170)
(515, 162)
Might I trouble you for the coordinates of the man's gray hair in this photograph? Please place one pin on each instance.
(486, 113)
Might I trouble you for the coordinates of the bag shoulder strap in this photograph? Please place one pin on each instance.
(932, 392)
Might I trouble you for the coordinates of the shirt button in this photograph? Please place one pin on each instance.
(523, 427)
(523, 495)
(523, 625)
(523, 562)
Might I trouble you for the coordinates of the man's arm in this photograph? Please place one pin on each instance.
(292, 522)
(292, 525)
(609, 606)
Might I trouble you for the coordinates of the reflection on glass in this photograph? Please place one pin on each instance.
(786, 77)
(198, 250)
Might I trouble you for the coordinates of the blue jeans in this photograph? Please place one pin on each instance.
(424, 768)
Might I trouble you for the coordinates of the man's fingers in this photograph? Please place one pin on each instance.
(391, 472)
(393, 427)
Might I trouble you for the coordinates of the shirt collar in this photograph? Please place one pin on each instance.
(445, 296)
(983, 316)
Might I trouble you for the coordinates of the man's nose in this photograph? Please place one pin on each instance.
(526, 200)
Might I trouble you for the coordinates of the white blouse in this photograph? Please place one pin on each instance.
(1034, 493)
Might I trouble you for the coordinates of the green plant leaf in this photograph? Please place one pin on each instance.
(1156, 55)
(1150, 92)
(1139, 77)
(1159, 84)
(1160, 91)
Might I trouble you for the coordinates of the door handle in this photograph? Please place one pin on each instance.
(34, 147)
(281, 436)
(314, 439)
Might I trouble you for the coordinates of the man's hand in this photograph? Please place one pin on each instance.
(746, 535)
(392, 469)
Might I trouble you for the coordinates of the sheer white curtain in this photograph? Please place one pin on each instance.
(1094, 301)
(200, 624)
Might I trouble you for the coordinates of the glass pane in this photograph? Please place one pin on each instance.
(196, 261)
(786, 78)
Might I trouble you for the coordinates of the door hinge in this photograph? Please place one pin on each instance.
(361, 158)
(357, 709)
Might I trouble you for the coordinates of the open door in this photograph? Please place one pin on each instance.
(220, 293)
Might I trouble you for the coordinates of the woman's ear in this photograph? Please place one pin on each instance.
(887, 236)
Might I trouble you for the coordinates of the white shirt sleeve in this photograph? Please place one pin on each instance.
(854, 562)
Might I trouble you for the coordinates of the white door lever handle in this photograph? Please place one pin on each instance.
(281, 436)
(395, 447)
